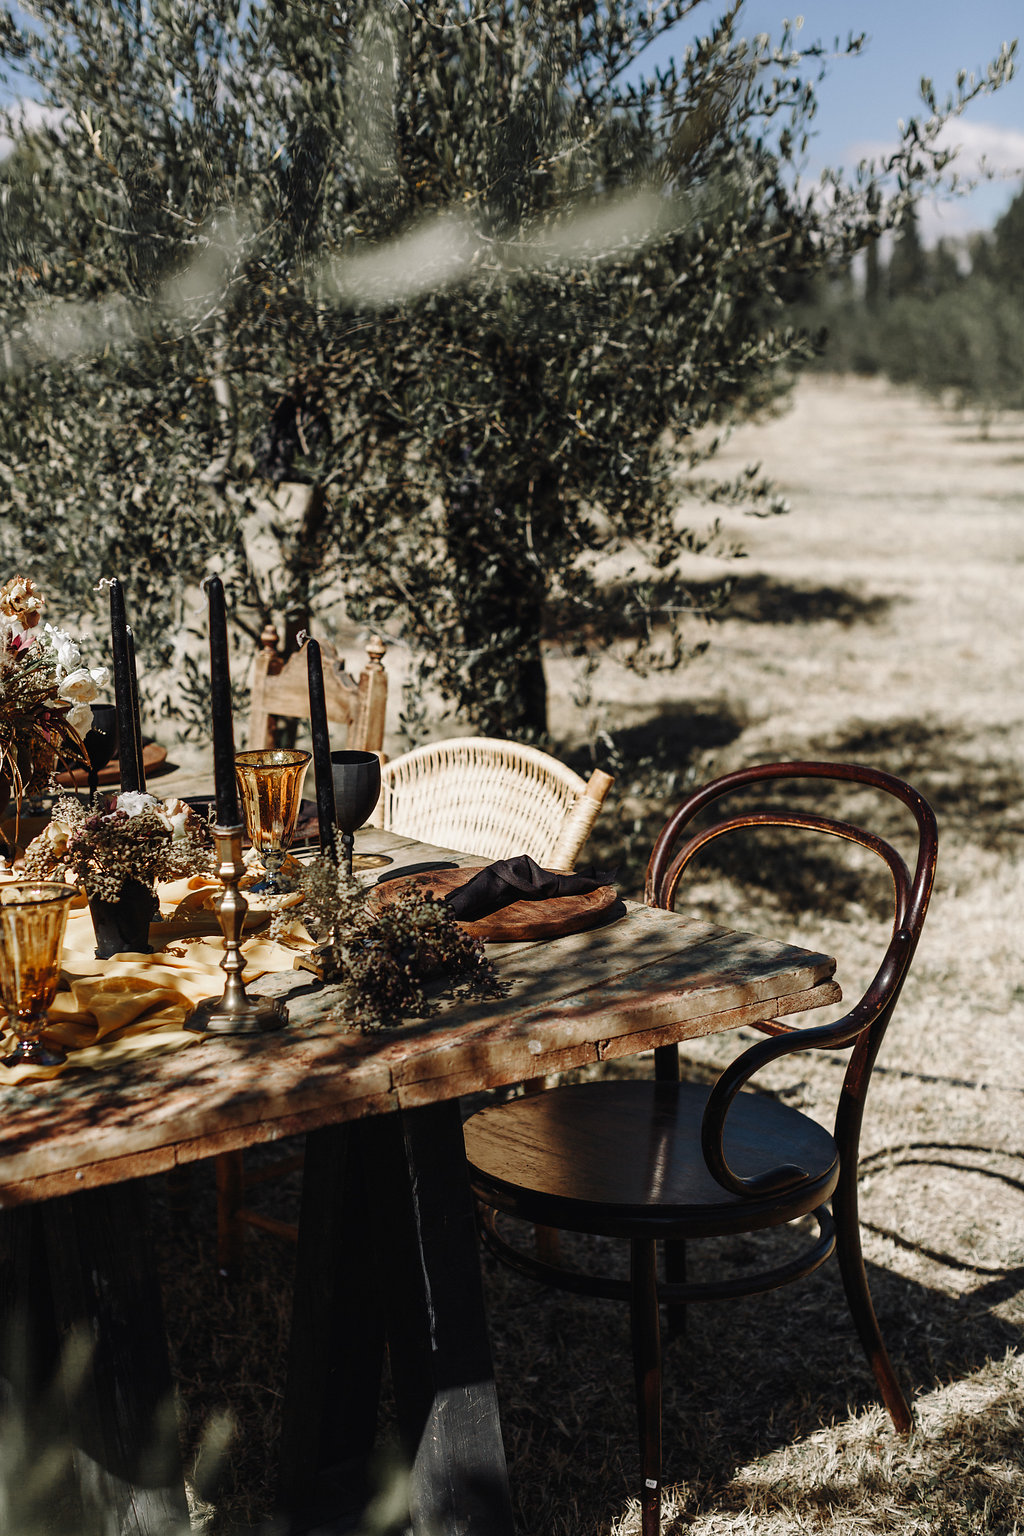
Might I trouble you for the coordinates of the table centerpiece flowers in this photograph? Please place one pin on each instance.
(46, 694)
(117, 850)
(385, 967)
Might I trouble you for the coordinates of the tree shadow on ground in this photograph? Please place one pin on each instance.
(762, 599)
(976, 791)
(671, 737)
(975, 788)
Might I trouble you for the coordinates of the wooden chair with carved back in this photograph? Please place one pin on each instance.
(672, 1162)
(280, 693)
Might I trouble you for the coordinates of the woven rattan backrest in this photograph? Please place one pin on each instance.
(492, 798)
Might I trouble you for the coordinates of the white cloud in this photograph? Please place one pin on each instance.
(987, 156)
(949, 218)
(999, 150)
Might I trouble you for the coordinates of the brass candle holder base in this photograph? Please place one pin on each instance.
(234, 1013)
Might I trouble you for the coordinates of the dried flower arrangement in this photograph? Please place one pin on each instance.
(132, 836)
(46, 692)
(386, 960)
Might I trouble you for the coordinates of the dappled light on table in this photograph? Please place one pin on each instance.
(109, 1011)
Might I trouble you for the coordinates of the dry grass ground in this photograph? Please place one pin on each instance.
(882, 621)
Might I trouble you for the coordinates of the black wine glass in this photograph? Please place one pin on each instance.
(356, 778)
(100, 743)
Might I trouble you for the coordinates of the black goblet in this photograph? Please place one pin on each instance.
(356, 778)
(100, 742)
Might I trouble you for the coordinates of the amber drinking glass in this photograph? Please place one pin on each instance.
(33, 916)
(270, 784)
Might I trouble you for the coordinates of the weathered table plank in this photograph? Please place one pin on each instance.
(651, 975)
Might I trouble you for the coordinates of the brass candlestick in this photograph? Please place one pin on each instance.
(234, 1013)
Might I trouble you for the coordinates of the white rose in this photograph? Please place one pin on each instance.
(135, 801)
(57, 834)
(79, 687)
(79, 717)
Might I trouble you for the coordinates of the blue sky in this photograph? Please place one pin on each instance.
(863, 99)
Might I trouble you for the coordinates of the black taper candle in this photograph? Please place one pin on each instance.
(325, 811)
(220, 703)
(123, 689)
(133, 678)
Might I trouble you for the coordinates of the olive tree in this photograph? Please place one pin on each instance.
(473, 273)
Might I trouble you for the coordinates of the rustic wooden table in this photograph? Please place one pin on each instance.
(387, 1243)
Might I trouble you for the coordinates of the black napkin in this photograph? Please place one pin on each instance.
(518, 879)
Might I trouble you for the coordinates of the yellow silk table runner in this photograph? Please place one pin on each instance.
(108, 1011)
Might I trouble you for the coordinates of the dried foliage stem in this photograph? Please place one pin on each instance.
(394, 963)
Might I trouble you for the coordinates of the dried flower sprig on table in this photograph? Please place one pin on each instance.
(394, 963)
(132, 836)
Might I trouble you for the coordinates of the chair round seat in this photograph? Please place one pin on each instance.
(624, 1159)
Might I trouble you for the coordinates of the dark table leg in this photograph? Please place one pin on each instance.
(121, 1416)
(388, 1230)
(429, 1273)
(33, 1427)
(336, 1351)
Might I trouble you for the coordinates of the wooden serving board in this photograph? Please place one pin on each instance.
(549, 918)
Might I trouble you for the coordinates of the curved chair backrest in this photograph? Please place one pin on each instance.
(865, 1023)
(498, 799)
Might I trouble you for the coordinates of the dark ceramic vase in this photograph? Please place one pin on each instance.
(122, 926)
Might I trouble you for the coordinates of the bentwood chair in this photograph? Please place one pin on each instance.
(494, 798)
(664, 1160)
(280, 691)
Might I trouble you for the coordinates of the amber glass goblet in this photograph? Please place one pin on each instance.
(270, 784)
(33, 916)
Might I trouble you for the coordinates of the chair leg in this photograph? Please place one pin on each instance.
(858, 1296)
(230, 1170)
(646, 1332)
